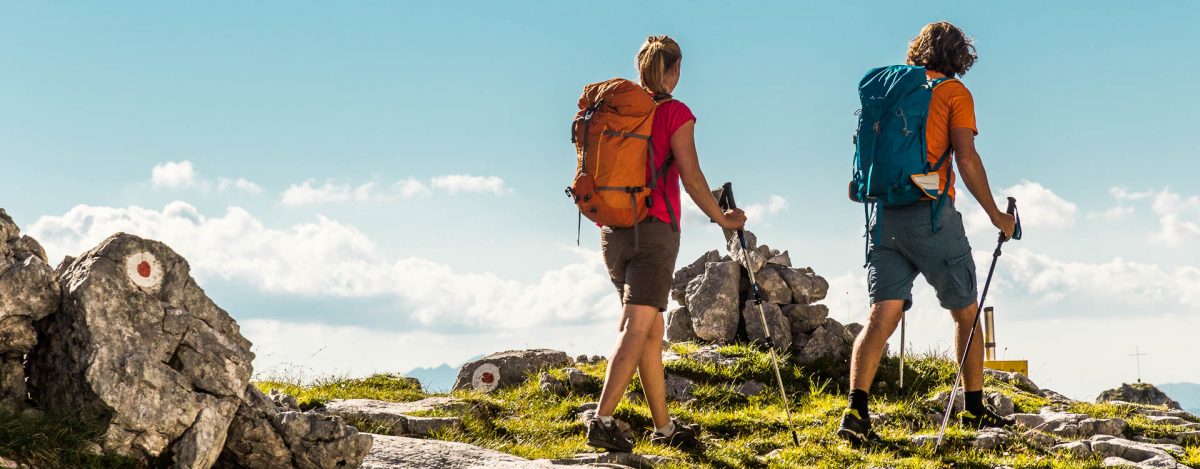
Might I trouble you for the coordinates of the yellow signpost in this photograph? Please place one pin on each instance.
(989, 348)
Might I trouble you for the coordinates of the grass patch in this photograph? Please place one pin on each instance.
(1138, 423)
(55, 441)
(382, 387)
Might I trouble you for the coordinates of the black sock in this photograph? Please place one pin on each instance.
(858, 401)
(974, 402)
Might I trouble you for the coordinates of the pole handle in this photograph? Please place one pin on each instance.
(727, 203)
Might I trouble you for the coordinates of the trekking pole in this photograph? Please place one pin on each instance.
(1012, 210)
(727, 203)
(903, 321)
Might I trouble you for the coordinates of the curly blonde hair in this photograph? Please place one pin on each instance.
(657, 56)
(944, 48)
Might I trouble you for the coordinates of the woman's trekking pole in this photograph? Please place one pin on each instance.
(726, 202)
(1012, 210)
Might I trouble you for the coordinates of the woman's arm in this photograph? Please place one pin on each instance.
(683, 146)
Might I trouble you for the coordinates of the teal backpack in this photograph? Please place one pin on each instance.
(890, 166)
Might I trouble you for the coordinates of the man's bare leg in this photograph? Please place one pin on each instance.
(868, 347)
(973, 368)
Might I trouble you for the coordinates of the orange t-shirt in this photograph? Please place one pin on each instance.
(951, 107)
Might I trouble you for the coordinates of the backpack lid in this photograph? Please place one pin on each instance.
(618, 96)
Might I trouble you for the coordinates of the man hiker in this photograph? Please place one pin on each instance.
(923, 236)
(623, 129)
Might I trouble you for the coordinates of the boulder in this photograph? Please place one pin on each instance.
(991, 438)
(678, 388)
(712, 301)
(1040, 439)
(807, 287)
(828, 341)
(679, 326)
(805, 318)
(1018, 380)
(1075, 449)
(751, 388)
(781, 331)
(1001, 404)
(138, 346)
(1131, 450)
(580, 382)
(391, 418)
(263, 436)
(506, 369)
(772, 286)
(611, 460)
(28, 292)
(754, 257)
(685, 275)
(1138, 393)
(547, 383)
(782, 259)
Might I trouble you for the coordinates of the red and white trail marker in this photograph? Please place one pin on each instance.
(143, 270)
(485, 378)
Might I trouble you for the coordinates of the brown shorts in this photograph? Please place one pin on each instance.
(642, 276)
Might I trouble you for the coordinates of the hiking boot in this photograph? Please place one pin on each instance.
(855, 428)
(684, 436)
(987, 419)
(608, 437)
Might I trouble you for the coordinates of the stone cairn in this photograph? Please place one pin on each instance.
(716, 304)
(123, 336)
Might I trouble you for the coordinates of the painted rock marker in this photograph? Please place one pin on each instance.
(143, 270)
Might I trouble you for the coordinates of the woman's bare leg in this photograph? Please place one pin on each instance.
(635, 326)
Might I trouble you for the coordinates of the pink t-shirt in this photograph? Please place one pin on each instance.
(667, 119)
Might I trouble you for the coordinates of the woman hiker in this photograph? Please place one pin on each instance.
(643, 276)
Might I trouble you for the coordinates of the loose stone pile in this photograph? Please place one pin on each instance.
(716, 304)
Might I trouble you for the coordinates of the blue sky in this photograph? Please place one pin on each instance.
(360, 111)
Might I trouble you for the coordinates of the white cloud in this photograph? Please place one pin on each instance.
(241, 184)
(183, 175)
(173, 174)
(455, 183)
(1040, 208)
(326, 258)
(775, 204)
(1116, 285)
(1178, 218)
(1115, 213)
(309, 193)
(1121, 193)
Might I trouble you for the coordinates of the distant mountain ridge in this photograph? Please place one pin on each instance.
(1187, 394)
(439, 378)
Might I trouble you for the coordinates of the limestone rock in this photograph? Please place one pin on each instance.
(805, 318)
(397, 452)
(751, 388)
(1028, 420)
(773, 288)
(1076, 449)
(781, 331)
(579, 381)
(1131, 450)
(807, 287)
(551, 385)
(392, 418)
(991, 438)
(828, 341)
(1138, 393)
(679, 388)
(1040, 439)
(505, 369)
(137, 345)
(679, 326)
(1001, 404)
(28, 292)
(1016, 379)
(754, 257)
(685, 275)
(712, 301)
(782, 259)
(265, 436)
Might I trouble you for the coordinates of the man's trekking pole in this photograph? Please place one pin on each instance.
(726, 202)
(1012, 210)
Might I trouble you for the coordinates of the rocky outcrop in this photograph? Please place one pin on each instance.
(1139, 393)
(505, 369)
(28, 293)
(139, 346)
(394, 418)
(264, 434)
(712, 301)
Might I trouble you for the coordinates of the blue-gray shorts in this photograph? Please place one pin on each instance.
(908, 246)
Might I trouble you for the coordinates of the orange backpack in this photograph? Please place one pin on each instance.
(611, 133)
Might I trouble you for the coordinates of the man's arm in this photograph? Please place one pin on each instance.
(970, 166)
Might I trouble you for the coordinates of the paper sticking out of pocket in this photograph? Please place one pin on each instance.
(930, 183)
